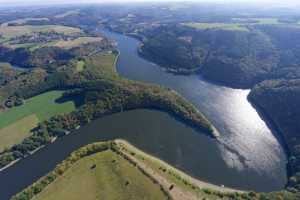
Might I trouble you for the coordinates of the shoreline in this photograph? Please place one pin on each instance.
(189, 189)
(201, 184)
(10, 164)
(213, 132)
(275, 130)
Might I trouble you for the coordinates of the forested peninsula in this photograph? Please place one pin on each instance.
(88, 77)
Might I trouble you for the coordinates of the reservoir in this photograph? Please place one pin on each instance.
(247, 156)
(247, 146)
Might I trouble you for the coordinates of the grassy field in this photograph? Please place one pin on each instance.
(240, 24)
(68, 13)
(80, 66)
(197, 188)
(43, 106)
(266, 20)
(5, 65)
(14, 31)
(102, 64)
(24, 20)
(16, 123)
(113, 178)
(76, 42)
(222, 26)
(16, 132)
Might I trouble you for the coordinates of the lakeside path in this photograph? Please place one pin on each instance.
(177, 192)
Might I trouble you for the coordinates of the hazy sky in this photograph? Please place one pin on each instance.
(26, 2)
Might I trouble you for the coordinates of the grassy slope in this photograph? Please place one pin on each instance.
(16, 123)
(24, 20)
(14, 31)
(9, 32)
(176, 177)
(107, 181)
(44, 106)
(223, 26)
(74, 43)
(76, 178)
(103, 64)
(80, 66)
(70, 12)
(16, 132)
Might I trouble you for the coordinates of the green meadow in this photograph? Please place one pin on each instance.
(222, 26)
(43, 106)
(102, 175)
(16, 123)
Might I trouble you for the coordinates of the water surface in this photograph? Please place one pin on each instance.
(153, 131)
(248, 156)
(248, 145)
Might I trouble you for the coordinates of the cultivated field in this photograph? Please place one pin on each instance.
(16, 123)
(266, 20)
(103, 175)
(68, 44)
(80, 66)
(16, 132)
(68, 13)
(102, 64)
(43, 106)
(14, 31)
(222, 26)
(238, 25)
(23, 21)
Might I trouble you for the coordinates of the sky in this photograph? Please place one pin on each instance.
(28, 2)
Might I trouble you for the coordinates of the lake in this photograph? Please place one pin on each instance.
(248, 146)
(248, 156)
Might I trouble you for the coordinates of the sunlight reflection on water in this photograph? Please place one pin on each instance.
(247, 144)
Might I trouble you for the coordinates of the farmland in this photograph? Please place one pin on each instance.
(76, 42)
(112, 177)
(260, 21)
(23, 21)
(16, 123)
(102, 64)
(222, 26)
(28, 36)
(14, 31)
(36, 105)
(16, 132)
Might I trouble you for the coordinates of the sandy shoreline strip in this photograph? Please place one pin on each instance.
(199, 183)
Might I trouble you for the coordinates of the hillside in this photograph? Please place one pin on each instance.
(226, 54)
(111, 178)
(280, 101)
(118, 170)
(88, 76)
(232, 57)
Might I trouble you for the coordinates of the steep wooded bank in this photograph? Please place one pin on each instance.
(237, 58)
(266, 57)
(280, 101)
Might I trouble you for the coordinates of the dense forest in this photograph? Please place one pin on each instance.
(280, 101)
(233, 57)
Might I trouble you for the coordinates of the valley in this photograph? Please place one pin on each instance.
(213, 95)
